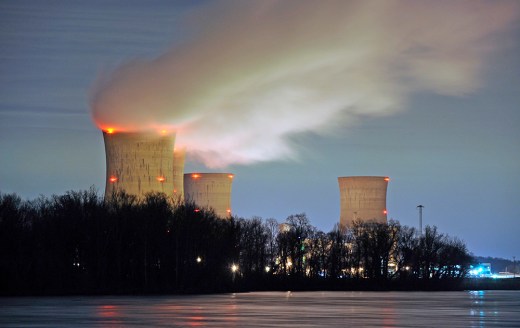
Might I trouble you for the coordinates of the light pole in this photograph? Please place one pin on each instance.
(420, 207)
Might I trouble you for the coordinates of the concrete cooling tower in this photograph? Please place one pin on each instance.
(179, 156)
(210, 191)
(362, 198)
(139, 163)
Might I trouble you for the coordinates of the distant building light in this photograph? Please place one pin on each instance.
(387, 179)
(231, 176)
(385, 211)
(195, 176)
(112, 179)
(161, 179)
(197, 210)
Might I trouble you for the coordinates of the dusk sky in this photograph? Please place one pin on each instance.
(287, 95)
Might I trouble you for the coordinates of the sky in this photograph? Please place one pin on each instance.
(287, 95)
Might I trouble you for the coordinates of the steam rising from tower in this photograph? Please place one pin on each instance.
(252, 74)
(362, 198)
(139, 163)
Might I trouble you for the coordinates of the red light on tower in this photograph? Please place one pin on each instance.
(228, 211)
(161, 179)
(195, 176)
(385, 212)
(112, 179)
(387, 179)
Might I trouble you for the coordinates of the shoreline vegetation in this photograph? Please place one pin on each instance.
(78, 244)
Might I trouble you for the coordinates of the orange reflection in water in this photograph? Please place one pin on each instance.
(110, 314)
(195, 321)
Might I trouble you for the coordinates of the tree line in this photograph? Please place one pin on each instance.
(78, 243)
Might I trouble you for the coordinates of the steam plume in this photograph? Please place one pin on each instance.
(255, 73)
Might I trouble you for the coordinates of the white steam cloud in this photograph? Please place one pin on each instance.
(257, 72)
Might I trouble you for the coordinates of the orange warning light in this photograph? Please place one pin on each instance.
(161, 179)
(110, 130)
(195, 176)
(385, 212)
(197, 210)
(228, 210)
(231, 176)
(387, 179)
(112, 179)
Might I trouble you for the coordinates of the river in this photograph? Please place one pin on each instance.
(269, 309)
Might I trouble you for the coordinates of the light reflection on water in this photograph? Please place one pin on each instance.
(269, 309)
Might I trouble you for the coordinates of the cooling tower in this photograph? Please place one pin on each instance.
(210, 191)
(179, 155)
(139, 163)
(362, 198)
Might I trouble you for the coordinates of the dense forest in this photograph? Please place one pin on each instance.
(77, 243)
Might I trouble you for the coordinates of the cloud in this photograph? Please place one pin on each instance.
(255, 73)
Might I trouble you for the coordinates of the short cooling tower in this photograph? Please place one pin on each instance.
(139, 163)
(210, 191)
(179, 156)
(362, 199)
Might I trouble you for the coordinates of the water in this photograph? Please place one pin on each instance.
(269, 309)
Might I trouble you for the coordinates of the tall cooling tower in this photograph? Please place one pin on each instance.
(362, 198)
(179, 156)
(139, 163)
(210, 191)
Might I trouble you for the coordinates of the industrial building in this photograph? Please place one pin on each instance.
(139, 162)
(210, 191)
(362, 198)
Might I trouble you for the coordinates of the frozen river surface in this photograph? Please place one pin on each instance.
(269, 309)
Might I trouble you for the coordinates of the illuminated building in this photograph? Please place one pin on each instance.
(210, 191)
(362, 199)
(139, 163)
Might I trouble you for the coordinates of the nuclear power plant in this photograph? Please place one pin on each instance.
(143, 162)
(362, 198)
(210, 191)
(139, 163)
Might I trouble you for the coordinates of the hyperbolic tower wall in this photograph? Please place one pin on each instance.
(139, 163)
(179, 156)
(210, 191)
(362, 198)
